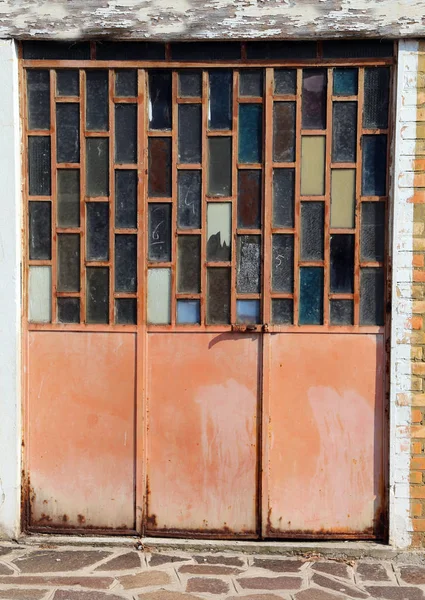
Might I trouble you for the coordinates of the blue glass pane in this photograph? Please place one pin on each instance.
(220, 106)
(248, 311)
(250, 133)
(345, 82)
(311, 296)
(188, 311)
(374, 168)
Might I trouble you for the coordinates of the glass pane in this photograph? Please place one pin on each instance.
(97, 295)
(68, 83)
(97, 167)
(248, 274)
(38, 89)
(249, 199)
(251, 83)
(188, 312)
(285, 81)
(159, 232)
(372, 238)
(160, 114)
(283, 263)
(40, 295)
(126, 199)
(313, 165)
(344, 132)
(342, 264)
(220, 100)
(357, 48)
(314, 99)
(189, 264)
(219, 230)
(311, 296)
(37, 49)
(282, 311)
(345, 82)
(39, 172)
(283, 197)
(68, 198)
(250, 133)
(218, 296)
(130, 50)
(68, 262)
(190, 137)
(126, 83)
(40, 231)
(371, 296)
(126, 311)
(343, 198)
(190, 84)
(97, 230)
(126, 133)
(189, 199)
(68, 310)
(376, 97)
(248, 311)
(374, 168)
(205, 51)
(97, 97)
(281, 50)
(68, 133)
(159, 296)
(284, 131)
(126, 263)
(342, 312)
(312, 230)
(159, 167)
(220, 166)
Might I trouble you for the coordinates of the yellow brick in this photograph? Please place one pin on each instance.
(417, 399)
(416, 384)
(415, 477)
(419, 245)
(418, 368)
(416, 447)
(416, 352)
(418, 228)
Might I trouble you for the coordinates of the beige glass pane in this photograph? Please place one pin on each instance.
(313, 165)
(343, 197)
(159, 296)
(39, 294)
(219, 228)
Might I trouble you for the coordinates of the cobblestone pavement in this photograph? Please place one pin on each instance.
(48, 572)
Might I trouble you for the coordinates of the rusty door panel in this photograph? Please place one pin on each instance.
(203, 397)
(81, 432)
(324, 439)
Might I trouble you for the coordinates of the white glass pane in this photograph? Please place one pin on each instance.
(219, 228)
(159, 296)
(39, 294)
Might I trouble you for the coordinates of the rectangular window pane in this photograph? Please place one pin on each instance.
(97, 230)
(67, 83)
(285, 81)
(205, 51)
(219, 230)
(283, 263)
(159, 243)
(312, 230)
(342, 312)
(284, 131)
(248, 274)
(190, 137)
(220, 166)
(314, 99)
(313, 165)
(38, 90)
(159, 167)
(220, 100)
(249, 198)
(372, 237)
(97, 98)
(342, 264)
(68, 310)
(374, 168)
(190, 84)
(251, 82)
(97, 167)
(160, 114)
(283, 197)
(68, 262)
(38, 49)
(68, 198)
(97, 297)
(130, 51)
(189, 264)
(40, 231)
(189, 199)
(345, 82)
(376, 97)
(159, 296)
(126, 133)
(250, 133)
(40, 295)
(188, 312)
(126, 199)
(218, 296)
(68, 133)
(126, 263)
(282, 311)
(311, 296)
(343, 198)
(344, 132)
(126, 311)
(248, 311)
(126, 83)
(371, 296)
(39, 171)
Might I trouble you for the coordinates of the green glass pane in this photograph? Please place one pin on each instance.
(250, 133)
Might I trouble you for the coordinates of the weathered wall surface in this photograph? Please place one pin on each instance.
(210, 19)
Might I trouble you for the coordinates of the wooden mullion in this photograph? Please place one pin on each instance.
(204, 176)
(297, 207)
(233, 241)
(83, 224)
(358, 199)
(327, 211)
(174, 155)
(111, 198)
(267, 197)
(53, 191)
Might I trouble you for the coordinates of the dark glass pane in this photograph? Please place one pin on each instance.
(68, 262)
(97, 295)
(248, 311)
(251, 83)
(314, 99)
(126, 83)
(188, 312)
(372, 237)
(130, 51)
(312, 230)
(283, 197)
(39, 172)
(68, 83)
(201, 51)
(342, 264)
(190, 136)
(220, 166)
(190, 84)
(345, 82)
(56, 50)
(126, 311)
(126, 133)
(282, 311)
(126, 263)
(189, 199)
(159, 167)
(40, 231)
(97, 231)
(358, 49)
(285, 81)
(374, 167)
(68, 201)
(38, 88)
(283, 263)
(218, 296)
(311, 296)
(97, 167)
(97, 112)
(68, 310)
(284, 131)
(271, 50)
(126, 199)
(249, 199)
(371, 296)
(342, 312)
(160, 100)
(344, 132)
(250, 133)
(68, 133)
(220, 102)
(248, 276)
(376, 97)
(159, 232)
(189, 264)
